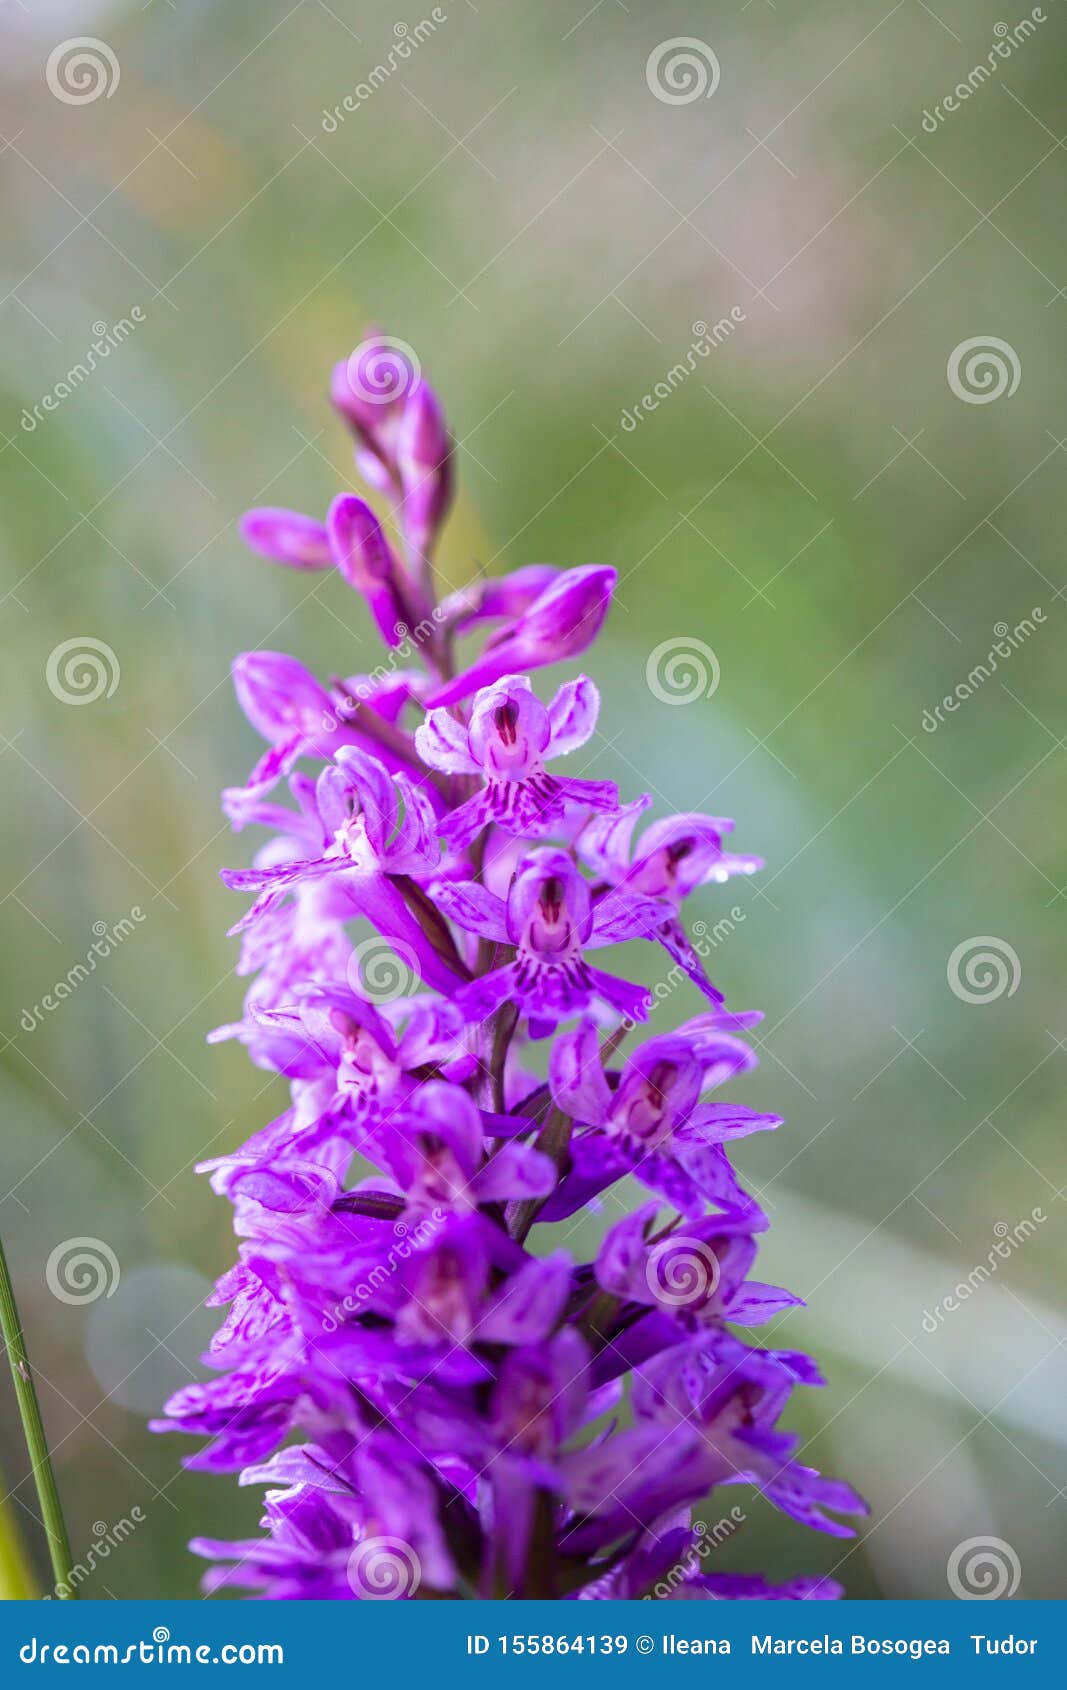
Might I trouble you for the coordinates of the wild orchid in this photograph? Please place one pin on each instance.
(438, 1397)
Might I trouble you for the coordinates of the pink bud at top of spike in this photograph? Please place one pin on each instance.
(424, 457)
(367, 562)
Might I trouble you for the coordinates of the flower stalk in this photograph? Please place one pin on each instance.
(33, 1429)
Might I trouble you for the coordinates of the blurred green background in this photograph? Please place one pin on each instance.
(814, 503)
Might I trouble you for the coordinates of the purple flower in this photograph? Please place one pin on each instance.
(675, 857)
(509, 737)
(562, 620)
(412, 1362)
(651, 1122)
(550, 920)
(365, 558)
(287, 537)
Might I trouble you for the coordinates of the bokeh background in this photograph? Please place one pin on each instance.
(817, 504)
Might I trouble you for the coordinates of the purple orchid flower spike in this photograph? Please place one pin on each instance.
(397, 1364)
(510, 736)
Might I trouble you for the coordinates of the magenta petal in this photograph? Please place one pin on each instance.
(287, 537)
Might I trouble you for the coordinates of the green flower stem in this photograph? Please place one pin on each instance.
(33, 1429)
